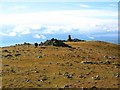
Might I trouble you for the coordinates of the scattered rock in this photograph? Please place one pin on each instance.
(88, 73)
(12, 70)
(83, 57)
(68, 75)
(106, 57)
(17, 55)
(107, 62)
(50, 63)
(77, 81)
(9, 55)
(82, 76)
(87, 62)
(93, 88)
(27, 80)
(17, 51)
(6, 65)
(97, 77)
(39, 56)
(53, 77)
(91, 49)
(71, 64)
(36, 71)
(59, 73)
(114, 57)
(116, 75)
(62, 64)
(5, 51)
(44, 78)
(66, 86)
(109, 57)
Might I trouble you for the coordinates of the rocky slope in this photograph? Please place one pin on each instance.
(87, 64)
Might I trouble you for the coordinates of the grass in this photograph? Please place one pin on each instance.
(32, 65)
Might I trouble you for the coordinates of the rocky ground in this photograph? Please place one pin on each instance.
(87, 64)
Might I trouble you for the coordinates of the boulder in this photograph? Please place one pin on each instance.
(54, 42)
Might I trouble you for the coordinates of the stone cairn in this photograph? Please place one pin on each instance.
(54, 42)
(73, 40)
(69, 38)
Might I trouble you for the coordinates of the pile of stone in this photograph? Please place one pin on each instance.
(73, 40)
(78, 40)
(59, 43)
(54, 42)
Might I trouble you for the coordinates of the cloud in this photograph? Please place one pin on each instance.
(84, 6)
(3, 34)
(59, 17)
(91, 37)
(25, 29)
(21, 29)
(18, 7)
(113, 5)
(12, 34)
(84, 28)
(39, 36)
(63, 21)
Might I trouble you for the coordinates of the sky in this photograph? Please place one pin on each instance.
(38, 21)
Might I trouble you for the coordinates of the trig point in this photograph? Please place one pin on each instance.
(69, 38)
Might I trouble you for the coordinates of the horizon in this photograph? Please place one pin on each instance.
(57, 39)
(39, 21)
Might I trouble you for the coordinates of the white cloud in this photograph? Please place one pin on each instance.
(91, 37)
(60, 21)
(108, 30)
(113, 5)
(25, 29)
(18, 7)
(39, 36)
(21, 29)
(84, 6)
(3, 34)
(64, 16)
(12, 34)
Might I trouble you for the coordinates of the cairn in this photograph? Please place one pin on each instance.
(54, 42)
(74, 40)
(69, 38)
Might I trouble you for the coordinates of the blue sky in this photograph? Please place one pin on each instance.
(38, 21)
